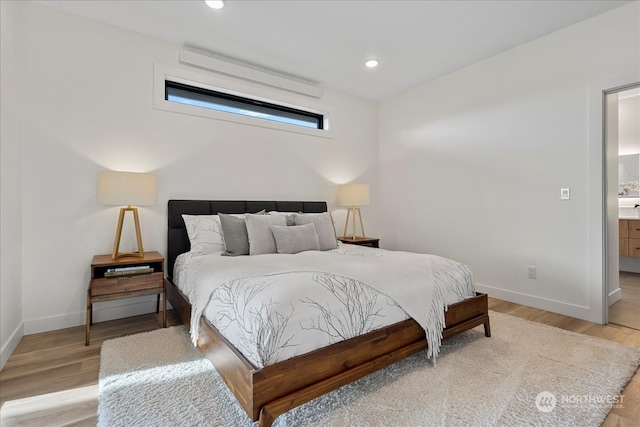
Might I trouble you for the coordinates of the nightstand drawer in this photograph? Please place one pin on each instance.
(114, 285)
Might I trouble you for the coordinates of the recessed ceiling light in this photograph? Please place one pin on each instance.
(372, 63)
(215, 4)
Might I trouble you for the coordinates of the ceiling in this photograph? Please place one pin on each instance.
(328, 41)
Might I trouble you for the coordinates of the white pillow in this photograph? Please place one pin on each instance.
(291, 240)
(261, 240)
(324, 227)
(205, 233)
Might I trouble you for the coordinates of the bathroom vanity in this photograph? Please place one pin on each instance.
(629, 237)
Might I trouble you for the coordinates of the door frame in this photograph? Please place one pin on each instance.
(597, 230)
(610, 198)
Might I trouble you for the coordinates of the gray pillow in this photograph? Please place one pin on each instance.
(324, 227)
(291, 240)
(236, 239)
(289, 215)
(261, 240)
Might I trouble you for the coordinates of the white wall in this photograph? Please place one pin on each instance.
(88, 106)
(11, 330)
(484, 151)
(629, 122)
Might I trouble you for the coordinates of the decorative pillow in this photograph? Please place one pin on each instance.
(205, 233)
(289, 215)
(234, 231)
(291, 240)
(324, 227)
(261, 240)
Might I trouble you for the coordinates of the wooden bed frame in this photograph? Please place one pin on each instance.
(268, 392)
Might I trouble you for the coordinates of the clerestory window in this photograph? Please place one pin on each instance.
(235, 104)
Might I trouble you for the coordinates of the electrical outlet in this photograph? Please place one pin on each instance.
(531, 272)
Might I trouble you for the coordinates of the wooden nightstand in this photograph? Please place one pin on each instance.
(362, 241)
(125, 278)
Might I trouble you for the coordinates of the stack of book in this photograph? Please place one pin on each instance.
(128, 271)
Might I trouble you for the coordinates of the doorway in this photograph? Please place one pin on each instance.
(622, 139)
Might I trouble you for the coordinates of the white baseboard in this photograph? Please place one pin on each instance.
(11, 344)
(615, 296)
(101, 312)
(571, 310)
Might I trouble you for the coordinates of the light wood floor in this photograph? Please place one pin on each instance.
(51, 379)
(626, 311)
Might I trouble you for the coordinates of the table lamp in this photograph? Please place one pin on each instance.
(127, 188)
(353, 196)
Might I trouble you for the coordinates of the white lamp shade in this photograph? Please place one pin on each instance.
(127, 188)
(353, 195)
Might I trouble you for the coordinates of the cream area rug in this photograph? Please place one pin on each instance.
(525, 374)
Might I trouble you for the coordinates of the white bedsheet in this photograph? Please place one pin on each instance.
(273, 307)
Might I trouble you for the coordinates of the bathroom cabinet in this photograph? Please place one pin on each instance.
(629, 236)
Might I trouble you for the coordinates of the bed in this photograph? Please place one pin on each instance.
(265, 392)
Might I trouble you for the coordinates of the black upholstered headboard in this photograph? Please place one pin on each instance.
(177, 239)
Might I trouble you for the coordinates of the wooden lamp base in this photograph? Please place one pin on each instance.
(352, 213)
(116, 244)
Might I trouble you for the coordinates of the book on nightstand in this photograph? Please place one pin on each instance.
(128, 271)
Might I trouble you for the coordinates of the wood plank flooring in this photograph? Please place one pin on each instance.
(52, 378)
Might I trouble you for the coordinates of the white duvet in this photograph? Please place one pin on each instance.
(276, 306)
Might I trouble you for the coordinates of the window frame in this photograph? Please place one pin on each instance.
(252, 106)
(240, 88)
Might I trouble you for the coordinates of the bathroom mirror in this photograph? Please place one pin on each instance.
(629, 175)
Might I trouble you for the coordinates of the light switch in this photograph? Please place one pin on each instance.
(565, 194)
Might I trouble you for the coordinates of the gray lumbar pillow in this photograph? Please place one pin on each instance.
(234, 230)
(261, 240)
(324, 228)
(291, 240)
